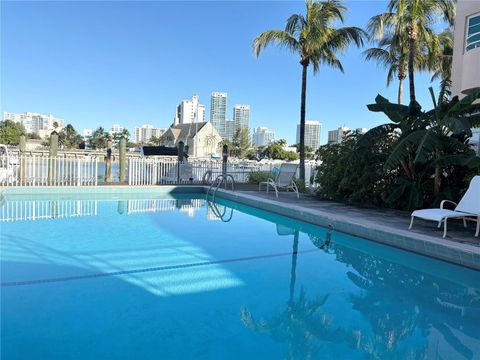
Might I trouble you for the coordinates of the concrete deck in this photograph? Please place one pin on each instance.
(387, 226)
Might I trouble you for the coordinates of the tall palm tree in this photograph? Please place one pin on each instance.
(440, 62)
(413, 20)
(316, 41)
(392, 57)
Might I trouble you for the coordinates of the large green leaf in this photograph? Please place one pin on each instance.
(404, 148)
(464, 104)
(429, 142)
(458, 125)
(469, 161)
(394, 112)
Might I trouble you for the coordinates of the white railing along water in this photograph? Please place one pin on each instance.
(48, 171)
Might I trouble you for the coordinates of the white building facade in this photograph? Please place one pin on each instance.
(144, 133)
(312, 134)
(336, 136)
(262, 136)
(37, 123)
(190, 111)
(241, 116)
(466, 48)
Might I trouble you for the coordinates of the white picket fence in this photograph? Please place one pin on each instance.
(48, 171)
(157, 171)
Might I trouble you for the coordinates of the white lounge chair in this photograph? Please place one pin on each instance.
(283, 180)
(468, 207)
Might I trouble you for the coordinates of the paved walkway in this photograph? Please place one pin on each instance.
(395, 219)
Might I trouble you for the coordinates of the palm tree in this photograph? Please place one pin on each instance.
(316, 41)
(413, 21)
(392, 57)
(440, 62)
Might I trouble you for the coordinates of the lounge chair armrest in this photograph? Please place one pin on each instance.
(447, 201)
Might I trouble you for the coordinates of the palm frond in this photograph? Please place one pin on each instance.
(278, 37)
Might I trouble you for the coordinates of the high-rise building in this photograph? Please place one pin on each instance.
(230, 129)
(241, 116)
(312, 134)
(466, 48)
(144, 133)
(190, 111)
(218, 112)
(262, 136)
(336, 136)
(38, 123)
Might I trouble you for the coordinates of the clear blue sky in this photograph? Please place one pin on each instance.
(131, 63)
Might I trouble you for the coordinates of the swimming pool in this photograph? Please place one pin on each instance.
(172, 276)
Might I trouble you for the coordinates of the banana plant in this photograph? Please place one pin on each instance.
(446, 126)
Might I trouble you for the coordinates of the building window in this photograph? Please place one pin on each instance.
(473, 32)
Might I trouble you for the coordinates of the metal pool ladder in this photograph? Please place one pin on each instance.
(219, 180)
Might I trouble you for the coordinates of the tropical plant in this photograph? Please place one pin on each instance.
(69, 137)
(393, 58)
(10, 132)
(241, 142)
(315, 39)
(411, 23)
(440, 62)
(276, 150)
(99, 138)
(431, 145)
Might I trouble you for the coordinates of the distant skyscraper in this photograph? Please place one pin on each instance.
(218, 112)
(312, 134)
(336, 136)
(262, 136)
(241, 116)
(190, 111)
(230, 129)
(43, 125)
(144, 133)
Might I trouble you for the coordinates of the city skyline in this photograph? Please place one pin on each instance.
(125, 74)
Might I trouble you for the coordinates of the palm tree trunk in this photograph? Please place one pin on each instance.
(400, 91)
(302, 121)
(411, 59)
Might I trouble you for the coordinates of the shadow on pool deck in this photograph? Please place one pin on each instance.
(394, 219)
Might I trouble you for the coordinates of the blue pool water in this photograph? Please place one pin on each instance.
(150, 277)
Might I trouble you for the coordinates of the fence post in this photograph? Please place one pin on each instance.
(122, 150)
(224, 159)
(52, 154)
(22, 146)
(181, 148)
(108, 162)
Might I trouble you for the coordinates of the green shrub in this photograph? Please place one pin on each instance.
(257, 177)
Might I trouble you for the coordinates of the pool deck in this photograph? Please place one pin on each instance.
(387, 226)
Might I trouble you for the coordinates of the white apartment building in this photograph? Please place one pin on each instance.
(190, 111)
(312, 134)
(466, 48)
(466, 55)
(336, 136)
(241, 115)
(144, 133)
(38, 123)
(262, 136)
(116, 129)
(218, 112)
